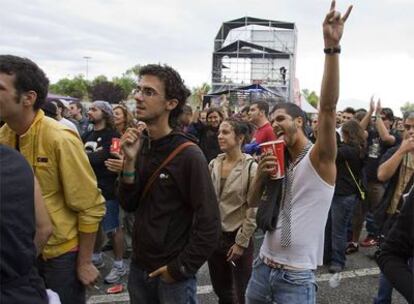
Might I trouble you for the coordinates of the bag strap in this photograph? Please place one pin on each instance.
(248, 176)
(163, 164)
(353, 177)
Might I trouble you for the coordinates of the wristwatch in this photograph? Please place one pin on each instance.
(332, 50)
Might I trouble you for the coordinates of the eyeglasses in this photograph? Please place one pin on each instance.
(145, 91)
(408, 127)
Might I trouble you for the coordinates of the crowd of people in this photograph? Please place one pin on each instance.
(179, 188)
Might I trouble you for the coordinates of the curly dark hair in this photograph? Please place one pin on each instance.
(174, 87)
(28, 77)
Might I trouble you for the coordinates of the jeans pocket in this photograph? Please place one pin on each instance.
(178, 292)
(299, 277)
(257, 262)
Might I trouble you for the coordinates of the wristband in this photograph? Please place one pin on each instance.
(332, 50)
(128, 174)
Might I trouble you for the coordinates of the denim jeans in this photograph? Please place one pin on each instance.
(384, 295)
(61, 276)
(143, 289)
(268, 285)
(340, 214)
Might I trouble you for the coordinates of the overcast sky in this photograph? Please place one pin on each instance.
(377, 47)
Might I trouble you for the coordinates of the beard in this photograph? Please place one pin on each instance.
(94, 121)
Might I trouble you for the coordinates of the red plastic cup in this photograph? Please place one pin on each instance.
(277, 149)
(116, 145)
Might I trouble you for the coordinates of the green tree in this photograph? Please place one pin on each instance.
(407, 107)
(311, 97)
(133, 72)
(107, 91)
(99, 79)
(77, 87)
(127, 84)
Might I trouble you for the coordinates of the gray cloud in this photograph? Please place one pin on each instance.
(120, 33)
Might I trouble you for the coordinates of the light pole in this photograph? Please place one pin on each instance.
(87, 58)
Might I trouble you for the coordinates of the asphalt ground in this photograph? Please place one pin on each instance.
(358, 285)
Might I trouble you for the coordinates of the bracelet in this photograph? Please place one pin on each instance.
(332, 50)
(128, 174)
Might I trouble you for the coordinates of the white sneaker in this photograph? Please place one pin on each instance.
(98, 261)
(116, 274)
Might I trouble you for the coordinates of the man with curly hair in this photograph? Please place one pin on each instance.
(165, 181)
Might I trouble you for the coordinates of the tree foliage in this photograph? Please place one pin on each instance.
(99, 79)
(127, 84)
(108, 91)
(133, 72)
(77, 87)
(407, 107)
(311, 97)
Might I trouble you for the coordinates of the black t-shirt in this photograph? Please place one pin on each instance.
(207, 139)
(19, 281)
(345, 184)
(375, 150)
(97, 147)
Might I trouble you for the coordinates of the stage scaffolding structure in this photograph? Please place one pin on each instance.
(252, 51)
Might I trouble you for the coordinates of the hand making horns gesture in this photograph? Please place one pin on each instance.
(333, 26)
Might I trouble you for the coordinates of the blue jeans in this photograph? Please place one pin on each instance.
(143, 289)
(269, 285)
(61, 276)
(341, 212)
(384, 295)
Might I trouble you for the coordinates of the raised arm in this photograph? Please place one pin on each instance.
(383, 132)
(367, 118)
(129, 189)
(324, 153)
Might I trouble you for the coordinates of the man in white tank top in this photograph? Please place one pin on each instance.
(284, 270)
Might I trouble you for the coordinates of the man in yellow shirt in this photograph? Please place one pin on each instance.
(69, 188)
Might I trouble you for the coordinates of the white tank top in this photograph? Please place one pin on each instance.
(311, 201)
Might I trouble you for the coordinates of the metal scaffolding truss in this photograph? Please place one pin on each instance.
(255, 51)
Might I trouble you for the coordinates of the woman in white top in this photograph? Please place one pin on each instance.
(232, 173)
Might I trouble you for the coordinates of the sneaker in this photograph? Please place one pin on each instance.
(335, 268)
(116, 274)
(98, 261)
(369, 242)
(352, 248)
